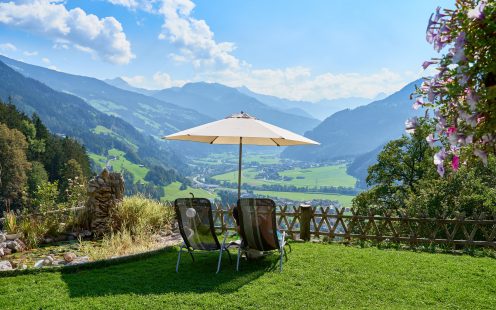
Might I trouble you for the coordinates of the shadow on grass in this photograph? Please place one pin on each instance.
(156, 275)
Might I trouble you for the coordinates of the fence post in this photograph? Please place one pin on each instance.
(305, 218)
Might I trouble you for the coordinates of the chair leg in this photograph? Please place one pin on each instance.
(220, 258)
(229, 255)
(290, 249)
(239, 255)
(222, 248)
(283, 253)
(179, 257)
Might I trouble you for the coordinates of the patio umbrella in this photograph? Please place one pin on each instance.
(240, 129)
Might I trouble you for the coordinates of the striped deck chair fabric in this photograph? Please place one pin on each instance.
(196, 225)
(258, 227)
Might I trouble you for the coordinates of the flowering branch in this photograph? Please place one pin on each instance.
(463, 92)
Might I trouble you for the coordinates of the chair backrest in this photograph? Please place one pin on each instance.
(196, 223)
(257, 221)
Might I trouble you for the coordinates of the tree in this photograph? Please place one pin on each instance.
(399, 168)
(158, 175)
(404, 179)
(463, 92)
(14, 166)
(36, 176)
(72, 181)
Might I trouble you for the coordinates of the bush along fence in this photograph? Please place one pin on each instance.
(344, 225)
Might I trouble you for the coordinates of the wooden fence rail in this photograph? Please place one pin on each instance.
(340, 224)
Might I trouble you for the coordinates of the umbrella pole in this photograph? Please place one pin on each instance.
(239, 165)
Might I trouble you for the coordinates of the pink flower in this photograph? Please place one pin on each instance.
(482, 155)
(472, 98)
(427, 63)
(455, 162)
(440, 170)
(451, 130)
(418, 103)
(478, 11)
(438, 14)
(439, 157)
(439, 161)
(430, 139)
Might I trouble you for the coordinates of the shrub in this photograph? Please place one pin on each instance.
(139, 214)
(119, 243)
(134, 224)
(11, 222)
(32, 229)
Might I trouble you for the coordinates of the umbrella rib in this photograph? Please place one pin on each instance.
(274, 141)
(211, 142)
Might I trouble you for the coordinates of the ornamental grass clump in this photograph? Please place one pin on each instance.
(138, 214)
(135, 225)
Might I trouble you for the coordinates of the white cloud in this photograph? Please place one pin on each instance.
(46, 60)
(127, 3)
(30, 54)
(159, 80)
(145, 5)
(137, 80)
(8, 47)
(193, 37)
(298, 83)
(214, 62)
(105, 35)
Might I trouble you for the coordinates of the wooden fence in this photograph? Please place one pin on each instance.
(340, 224)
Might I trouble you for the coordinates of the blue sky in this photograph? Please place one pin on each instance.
(307, 50)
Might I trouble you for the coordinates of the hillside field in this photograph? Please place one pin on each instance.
(173, 192)
(334, 175)
(120, 163)
(344, 200)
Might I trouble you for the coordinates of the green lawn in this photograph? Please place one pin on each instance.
(172, 192)
(344, 200)
(312, 177)
(317, 276)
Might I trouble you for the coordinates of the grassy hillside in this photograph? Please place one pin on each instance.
(232, 158)
(120, 162)
(173, 192)
(344, 200)
(312, 177)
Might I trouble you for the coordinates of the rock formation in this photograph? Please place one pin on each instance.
(105, 192)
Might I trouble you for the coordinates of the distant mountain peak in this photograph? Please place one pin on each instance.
(117, 81)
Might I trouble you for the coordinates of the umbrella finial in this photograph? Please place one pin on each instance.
(241, 115)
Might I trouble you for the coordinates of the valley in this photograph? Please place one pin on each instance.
(266, 174)
(121, 127)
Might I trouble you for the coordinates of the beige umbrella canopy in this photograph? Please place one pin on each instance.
(240, 129)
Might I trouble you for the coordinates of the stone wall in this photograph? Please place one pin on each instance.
(105, 192)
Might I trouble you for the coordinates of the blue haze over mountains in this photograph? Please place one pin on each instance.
(68, 115)
(352, 132)
(79, 104)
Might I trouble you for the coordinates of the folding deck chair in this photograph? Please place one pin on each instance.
(196, 226)
(258, 228)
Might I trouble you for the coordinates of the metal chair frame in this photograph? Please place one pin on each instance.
(281, 243)
(186, 245)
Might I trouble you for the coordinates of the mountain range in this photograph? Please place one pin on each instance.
(68, 115)
(319, 110)
(351, 132)
(218, 101)
(145, 113)
(113, 114)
